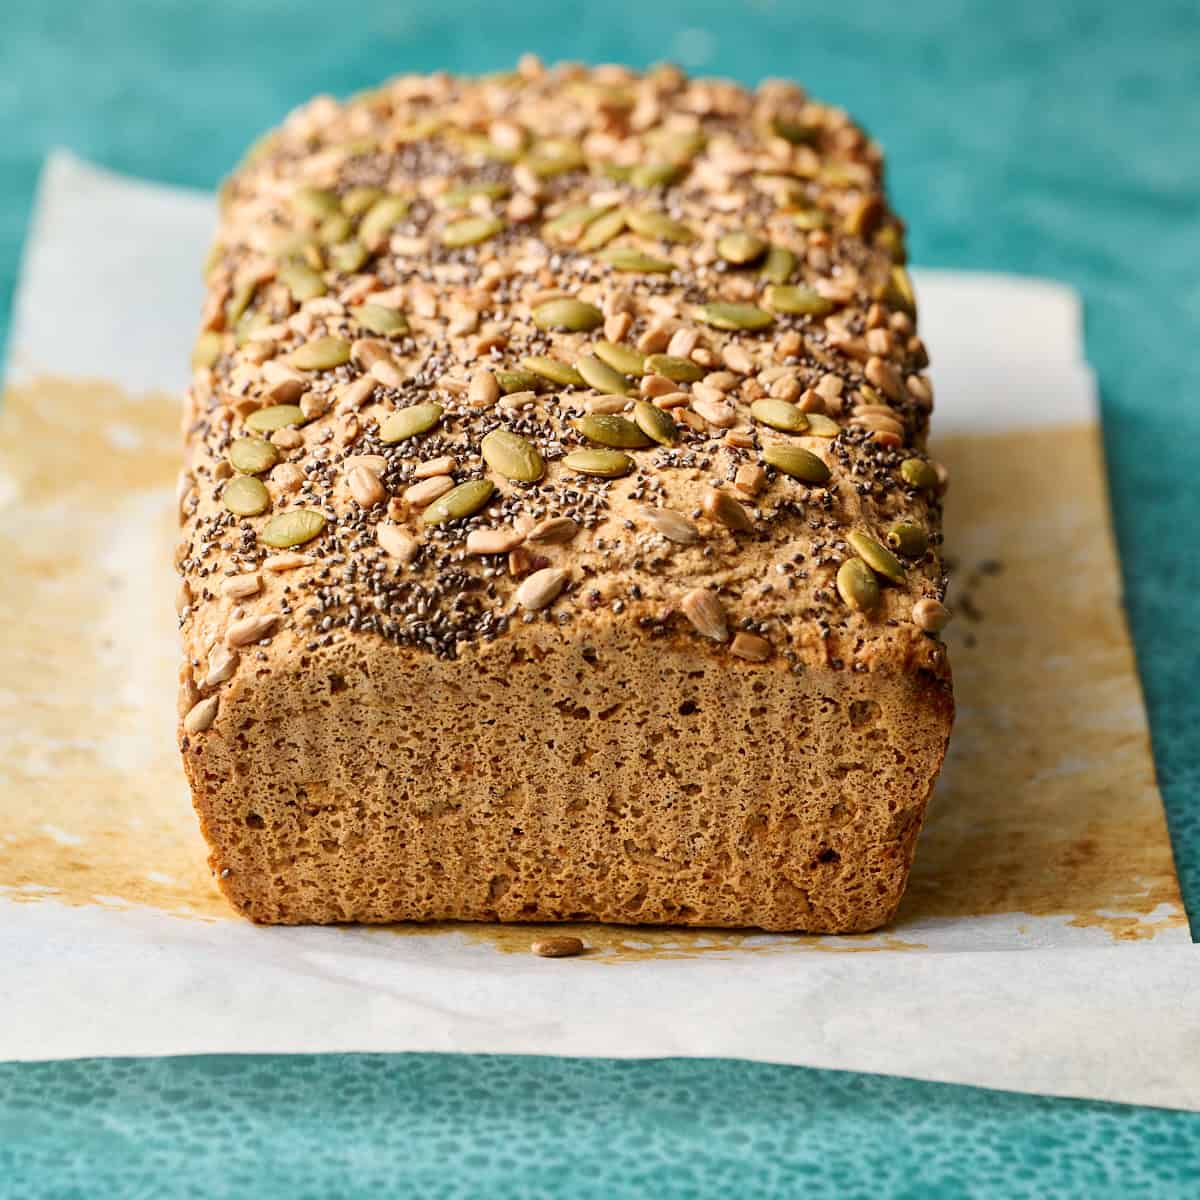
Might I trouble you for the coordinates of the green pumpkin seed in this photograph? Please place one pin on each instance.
(553, 369)
(512, 456)
(741, 248)
(908, 539)
(819, 425)
(602, 377)
(675, 145)
(315, 202)
(518, 381)
(348, 257)
(470, 231)
(577, 217)
(879, 558)
(900, 292)
(601, 231)
(387, 322)
(216, 252)
(626, 258)
(408, 422)
(240, 301)
(357, 200)
(463, 501)
(857, 585)
(891, 241)
(809, 219)
(651, 175)
(461, 197)
(647, 223)
(608, 464)
(336, 228)
(918, 473)
(572, 315)
(246, 496)
(249, 323)
(252, 456)
(792, 130)
(609, 429)
(608, 170)
(207, 349)
(554, 156)
(292, 528)
(796, 462)
(723, 315)
(681, 370)
(321, 354)
(797, 299)
(302, 281)
(779, 265)
(378, 220)
(275, 416)
(656, 423)
(621, 358)
(779, 414)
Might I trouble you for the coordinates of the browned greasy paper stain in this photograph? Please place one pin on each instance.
(1048, 804)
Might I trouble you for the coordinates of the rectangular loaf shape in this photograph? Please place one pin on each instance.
(558, 537)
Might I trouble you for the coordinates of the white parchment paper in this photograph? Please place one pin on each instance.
(1010, 1000)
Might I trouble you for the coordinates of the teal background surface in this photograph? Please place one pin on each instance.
(1051, 137)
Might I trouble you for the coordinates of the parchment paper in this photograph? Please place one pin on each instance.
(1042, 945)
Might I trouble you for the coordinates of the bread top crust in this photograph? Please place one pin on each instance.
(396, 278)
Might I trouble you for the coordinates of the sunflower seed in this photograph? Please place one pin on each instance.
(751, 647)
(493, 541)
(706, 614)
(720, 506)
(251, 629)
(366, 487)
(201, 715)
(553, 531)
(674, 526)
(396, 543)
(541, 588)
(558, 947)
(512, 456)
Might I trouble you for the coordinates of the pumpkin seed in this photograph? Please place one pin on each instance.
(470, 231)
(779, 414)
(463, 501)
(207, 349)
(649, 175)
(302, 281)
(336, 228)
(240, 301)
(680, 370)
(621, 358)
(553, 369)
(792, 130)
(461, 197)
(647, 223)
(348, 257)
(518, 381)
(891, 241)
(246, 496)
(722, 315)
(252, 455)
(315, 202)
(248, 324)
(809, 219)
(656, 423)
(918, 473)
(626, 258)
(900, 292)
(578, 216)
(408, 422)
(908, 539)
(797, 462)
(778, 265)
(819, 425)
(609, 429)
(675, 145)
(609, 464)
(321, 354)
(857, 585)
(554, 156)
(797, 299)
(602, 377)
(292, 528)
(601, 231)
(512, 456)
(387, 322)
(741, 248)
(879, 558)
(275, 416)
(357, 200)
(378, 220)
(574, 316)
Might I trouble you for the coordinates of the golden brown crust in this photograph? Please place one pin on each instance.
(385, 486)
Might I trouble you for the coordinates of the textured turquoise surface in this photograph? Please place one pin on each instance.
(501, 1127)
(1053, 137)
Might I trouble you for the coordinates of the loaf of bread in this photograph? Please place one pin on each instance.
(558, 536)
